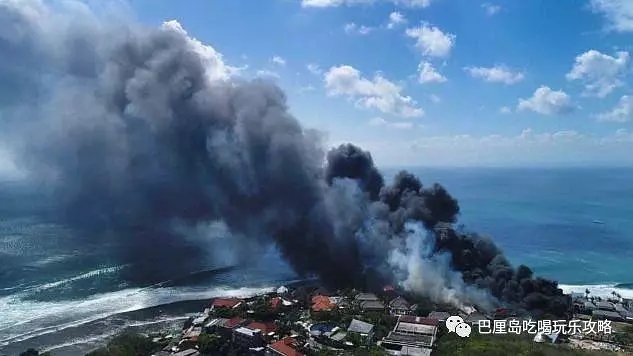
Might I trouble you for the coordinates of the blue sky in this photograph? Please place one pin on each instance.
(436, 82)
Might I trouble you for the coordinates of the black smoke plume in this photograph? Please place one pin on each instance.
(140, 130)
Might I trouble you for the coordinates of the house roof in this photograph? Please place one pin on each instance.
(399, 303)
(372, 304)
(275, 302)
(360, 327)
(475, 317)
(286, 347)
(217, 322)
(605, 306)
(366, 296)
(606, 314)
(264, 327)
(399, 338)
(438, 315)
(418, 320)
(322, 303)
(231, 323)
(226, 302)
(247, 331)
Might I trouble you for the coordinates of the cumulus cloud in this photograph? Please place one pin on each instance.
(622, 112)
(600, 72)
(428, 73)
(496, 74)
(278, 61)
(376, 93)
(336, 3)
(546, 101)
(491, 9)
(396, 19)
(618, 13)
(431, 41)
(354, 29)
(379, 121)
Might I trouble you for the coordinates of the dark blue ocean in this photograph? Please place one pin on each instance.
(571, 225)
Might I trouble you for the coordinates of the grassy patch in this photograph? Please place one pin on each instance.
(503, 345)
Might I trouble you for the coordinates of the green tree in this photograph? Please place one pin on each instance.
(212, 344)
(127, 344)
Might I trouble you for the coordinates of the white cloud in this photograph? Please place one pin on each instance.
(618, 13)
(622, 112)
(268, 74)
(379, 121)
(505, 110)
(395, 19)
(525, 148)
(213, 61)
(496, 74)
(546, 101)
(354, 29)
(314, 69)
(335, 3)
(434, 98)
(601, 73)
(491, 9)
(278, 61)
(428, 73)
(377, 93)
(431, 41)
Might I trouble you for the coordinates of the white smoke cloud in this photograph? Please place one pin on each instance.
(422, 272)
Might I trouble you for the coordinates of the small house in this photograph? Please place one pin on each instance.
(364, 330)
(285, 347)
(399, 306)
(372, 306)
(364, 297)
(439, 315)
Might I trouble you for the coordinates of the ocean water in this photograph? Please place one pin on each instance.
(572, 225)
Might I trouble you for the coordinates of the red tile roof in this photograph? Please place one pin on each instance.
(322, 303)
(286, 347)
(418, 320)
(264, 327)
(231, 323)
(275, 302)
(226, 302)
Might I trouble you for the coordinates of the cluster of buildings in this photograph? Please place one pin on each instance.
(614, 309)
(234, 321)
(301, 324)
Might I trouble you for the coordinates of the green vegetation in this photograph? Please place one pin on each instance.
(503, 345)
(127, 344)
(624, 337)
(213, 345)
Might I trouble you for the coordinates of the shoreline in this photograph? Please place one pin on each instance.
(174, 313)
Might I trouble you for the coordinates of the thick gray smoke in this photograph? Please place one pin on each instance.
(140, 130)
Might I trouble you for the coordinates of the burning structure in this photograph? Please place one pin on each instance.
(145, 134)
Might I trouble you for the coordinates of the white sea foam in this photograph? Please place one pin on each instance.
(598, 290)
(23, 319)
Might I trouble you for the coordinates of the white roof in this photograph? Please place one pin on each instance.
(360, 327)
(247, 331)
(415, 328)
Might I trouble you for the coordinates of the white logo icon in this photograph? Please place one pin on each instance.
(462, 330)
(456, 324)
